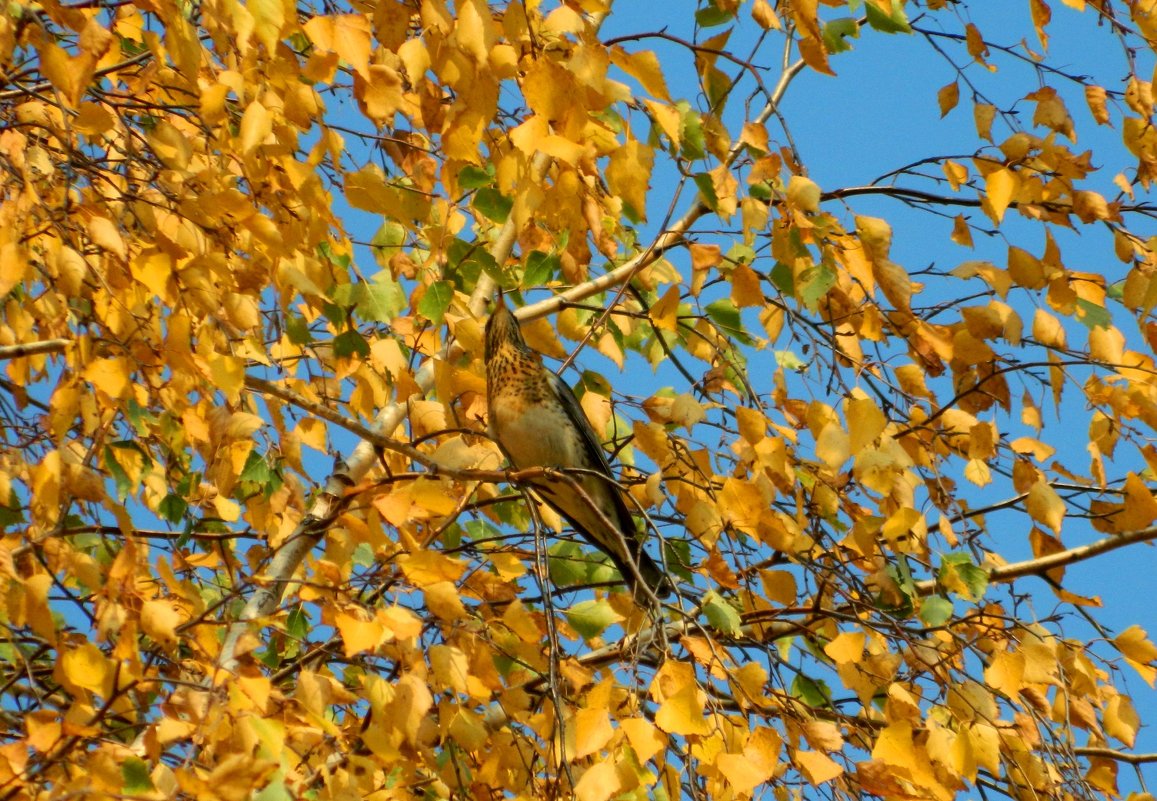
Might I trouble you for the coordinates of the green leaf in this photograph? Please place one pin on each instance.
(434, 303)
(711, 15)
(724, 314)
(1092, 315)
(468, 260)
(363, 555)
(297, 623)
(325, 250)
(957, 568)
(813, 692)
(172, 508)
(380, 299)
(720, 614)
(837, 32)
(492, 204)
(471, 177)
(741, 254)
(694, 142)
(896, 22)
(350, 343)
(135, 774)
(761, 191)
(592, 618)
(123, 485)
(275, 790)
(540, 268)
(814, 284)
(568, 564)
(297, 329)
(788, 360)
(783, 278)
(707, 189)
(257, 469)
(935, 610)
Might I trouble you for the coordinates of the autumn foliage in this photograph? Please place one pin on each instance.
(258, 544)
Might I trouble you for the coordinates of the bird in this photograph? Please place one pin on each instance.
(536, 419)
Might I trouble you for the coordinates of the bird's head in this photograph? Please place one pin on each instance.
(503, 331)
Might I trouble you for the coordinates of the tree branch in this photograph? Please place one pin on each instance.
(34, 348)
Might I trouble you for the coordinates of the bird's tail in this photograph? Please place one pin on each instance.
(652, 574)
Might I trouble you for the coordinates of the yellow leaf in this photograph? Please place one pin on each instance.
(846, 647)
(592, 730)
(86, 667)
(779, 586)
(686, 411)
(1134, 644)
(70, 74)
(644, 738)
(985, 740)
(894, 745)
(434, 495)
(357, 635)
(451, 667)
(153, 268)
(665, 312)
(818, 767)
(833, 446)
(472, 31)
(865, 422)
(741, 774)
(228, 374)
(741, 503)
(1048, 330)
(804, 193)
(746, 288)
(348, 35)
(311, 432)
(600, 782)
(256, 126)
(644, 67)
(1045, 506)
(227, 509)
(956, 173)
(948, 97)
(764, 15)
(629, 175)
(170, 145)
(427, 567)
(682, 713)
(104, 234)
(159, 620)
(1121, 719)
(44, 730)
(1140, 505)
(268, 20)
(983, 114)
(977, 471)
(110, 376)
(1001, 187)
(1096, 98)
(1005, 673)
(443, 600)
(669, 119)
(823, 735)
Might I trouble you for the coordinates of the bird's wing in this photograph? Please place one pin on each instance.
(593, 450)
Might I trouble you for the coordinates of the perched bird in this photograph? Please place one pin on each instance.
(537, 420)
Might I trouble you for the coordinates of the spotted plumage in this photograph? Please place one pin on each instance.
(537, 420)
